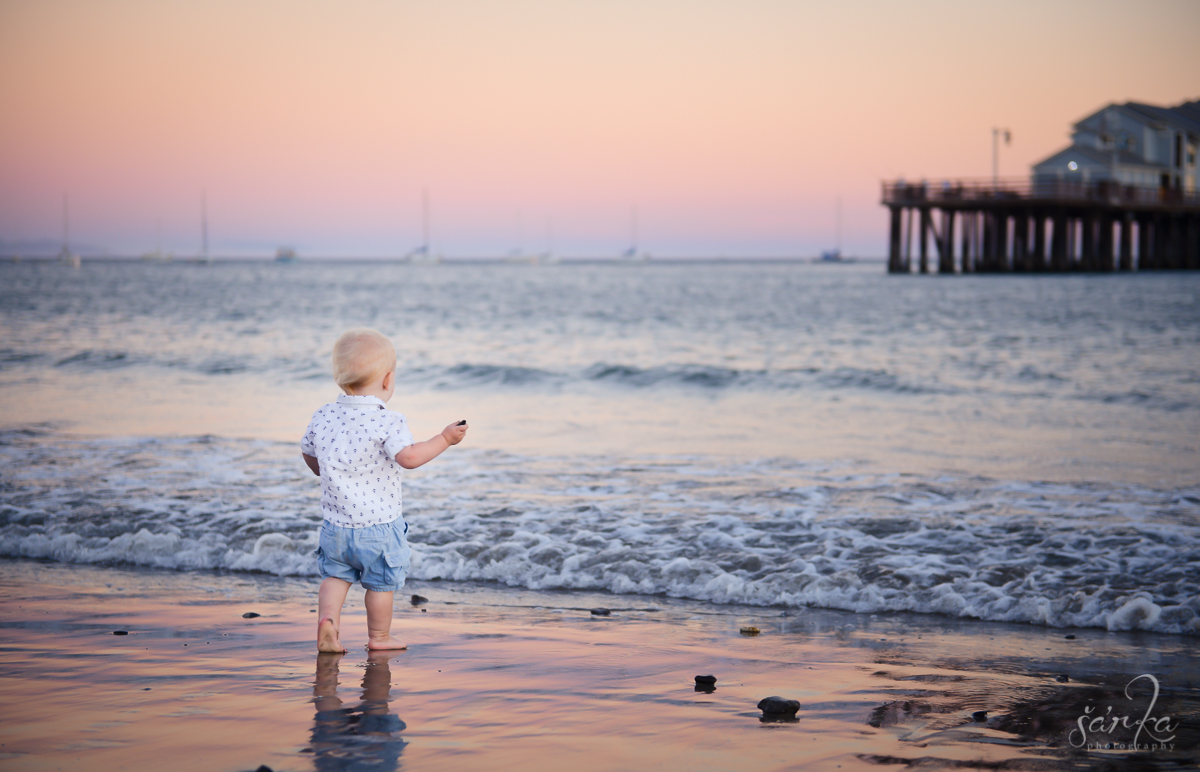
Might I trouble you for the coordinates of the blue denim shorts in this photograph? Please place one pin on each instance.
(378, 555)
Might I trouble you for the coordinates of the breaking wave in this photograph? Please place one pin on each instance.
(762, 533)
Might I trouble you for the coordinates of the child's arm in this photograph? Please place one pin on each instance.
(420, 453)
(312, 464)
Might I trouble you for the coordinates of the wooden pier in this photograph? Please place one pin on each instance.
(1040, 226)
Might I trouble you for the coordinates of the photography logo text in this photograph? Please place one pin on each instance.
(1132, 729)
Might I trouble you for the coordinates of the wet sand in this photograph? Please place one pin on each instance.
(508, 679)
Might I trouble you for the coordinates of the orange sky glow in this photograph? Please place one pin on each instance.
(732, 127)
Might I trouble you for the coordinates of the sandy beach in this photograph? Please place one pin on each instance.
(510, 679)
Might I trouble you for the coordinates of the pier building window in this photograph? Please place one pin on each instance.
(1178, 151)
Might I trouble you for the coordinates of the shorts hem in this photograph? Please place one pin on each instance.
(397, 588)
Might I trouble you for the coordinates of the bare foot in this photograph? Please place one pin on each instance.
(327, 637)
(384, 645)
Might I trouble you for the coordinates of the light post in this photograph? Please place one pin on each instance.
(996, 154)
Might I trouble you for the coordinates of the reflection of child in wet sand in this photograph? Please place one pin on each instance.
(362, 736)
(360, 450)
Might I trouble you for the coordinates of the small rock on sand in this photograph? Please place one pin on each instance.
(979, 715)
(1062, 679)
(419, 599)
(120, 632)
(750, 631)
(1069, 637)
(600, 612)
(251, 615)
(706, 679)
(778, 706)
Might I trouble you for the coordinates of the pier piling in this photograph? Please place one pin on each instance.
(1041, 226)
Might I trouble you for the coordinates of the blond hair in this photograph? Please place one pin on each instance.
(360, 356)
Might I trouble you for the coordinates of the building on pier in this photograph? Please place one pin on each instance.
(1125, 195)
(1133, 144)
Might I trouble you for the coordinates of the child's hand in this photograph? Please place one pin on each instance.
(455, 432)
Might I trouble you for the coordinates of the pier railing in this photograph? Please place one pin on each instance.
(969, 192)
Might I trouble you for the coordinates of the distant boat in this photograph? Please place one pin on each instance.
(833, 256)
(285, 255)
(69, 257)
(66, 255)
(633, 253)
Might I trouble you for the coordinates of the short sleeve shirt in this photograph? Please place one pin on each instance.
(355, 440)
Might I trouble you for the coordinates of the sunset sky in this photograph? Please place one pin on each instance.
(732, 127)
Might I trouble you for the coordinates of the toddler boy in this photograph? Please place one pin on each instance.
(360, 449)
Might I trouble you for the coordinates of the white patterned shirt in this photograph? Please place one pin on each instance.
(355, 440)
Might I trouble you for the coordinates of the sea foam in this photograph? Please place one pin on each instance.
(767, 533)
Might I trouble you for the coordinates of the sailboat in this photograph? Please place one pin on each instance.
(422, 254)
(157, 254)
(204, 226)
(66, 255)
(835, 255)
(632, 253)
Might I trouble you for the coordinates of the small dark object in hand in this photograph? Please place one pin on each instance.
(778, 706)
(461, 423)
(706, 679)
(979, 715)
(418, 599)
(600, 612)
(251, 615)
(1062, 679)
(120, 632)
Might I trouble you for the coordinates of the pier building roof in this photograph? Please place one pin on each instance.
(1134, 144)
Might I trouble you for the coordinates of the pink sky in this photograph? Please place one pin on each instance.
(732, 126)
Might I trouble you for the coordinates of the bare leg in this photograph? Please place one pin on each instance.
(330, 598)
(379, 621)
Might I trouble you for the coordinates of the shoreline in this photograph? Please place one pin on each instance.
(509, 677)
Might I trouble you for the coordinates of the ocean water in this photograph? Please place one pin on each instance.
(777, 434)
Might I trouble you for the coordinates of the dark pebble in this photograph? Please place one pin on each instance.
(251, 615)
(706, 679)
(1069, 637)
(419, 599)
(424, 610)
(120, 632)
(778, 706)
(600, 612)
(1062, 679)
(979, 715)
(146, 689)
(264, 768)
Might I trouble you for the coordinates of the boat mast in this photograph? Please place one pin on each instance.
(633, 231)
(203, 224)
(838, 221)
(425, 221)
